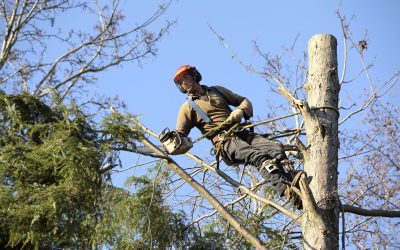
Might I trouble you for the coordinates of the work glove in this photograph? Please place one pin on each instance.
(235, 116)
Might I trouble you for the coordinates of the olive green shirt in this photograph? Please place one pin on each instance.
(215, 106)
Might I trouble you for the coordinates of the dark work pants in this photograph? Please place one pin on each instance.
(260, 149)
(239, 151)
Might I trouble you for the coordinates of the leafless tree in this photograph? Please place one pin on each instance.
(367, 189)
(43, 55)
(368, 156)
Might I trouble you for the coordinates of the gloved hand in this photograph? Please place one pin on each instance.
(235, 116)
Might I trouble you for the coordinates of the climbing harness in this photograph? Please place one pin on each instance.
(222, 137)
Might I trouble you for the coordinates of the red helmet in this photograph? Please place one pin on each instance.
(186, 70)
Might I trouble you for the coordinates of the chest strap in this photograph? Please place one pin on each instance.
(199, 111)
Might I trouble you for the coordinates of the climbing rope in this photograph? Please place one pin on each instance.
(248, 125)
(287, 116)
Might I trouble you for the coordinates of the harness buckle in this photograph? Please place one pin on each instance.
(270, 166)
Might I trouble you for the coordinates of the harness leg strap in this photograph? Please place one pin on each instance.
(275, 176)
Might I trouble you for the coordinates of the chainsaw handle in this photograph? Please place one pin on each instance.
(163, 136)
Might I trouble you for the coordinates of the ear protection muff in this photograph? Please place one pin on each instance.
(196, 74)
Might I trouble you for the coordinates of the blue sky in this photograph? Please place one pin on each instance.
(273, 24)
(148, 89)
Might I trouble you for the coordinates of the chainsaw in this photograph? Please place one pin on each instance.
(174, 142)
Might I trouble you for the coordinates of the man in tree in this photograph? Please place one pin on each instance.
(208, 109)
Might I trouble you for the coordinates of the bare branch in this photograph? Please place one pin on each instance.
(204, 192)
(344, 30)
(242, 187)
(366, 212)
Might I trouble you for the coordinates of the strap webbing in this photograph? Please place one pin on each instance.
(199, 111)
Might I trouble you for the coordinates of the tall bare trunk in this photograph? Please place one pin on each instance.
(320, 227)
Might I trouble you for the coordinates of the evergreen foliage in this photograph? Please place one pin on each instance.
(140, 220)
(53, 193)
(55, 196)
(50, 183)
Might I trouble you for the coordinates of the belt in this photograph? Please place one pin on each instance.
(244, 135)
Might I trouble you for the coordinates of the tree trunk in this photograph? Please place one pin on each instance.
(320, 227)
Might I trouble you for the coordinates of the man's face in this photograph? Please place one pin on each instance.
(187, 83)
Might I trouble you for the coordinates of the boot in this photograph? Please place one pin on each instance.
(281, 178)
(274, 174)
(292, 195)
(293, 198)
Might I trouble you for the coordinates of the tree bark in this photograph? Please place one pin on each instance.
(320, 227)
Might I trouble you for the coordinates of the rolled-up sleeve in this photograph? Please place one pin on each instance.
(237, 101)
(247, 107)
